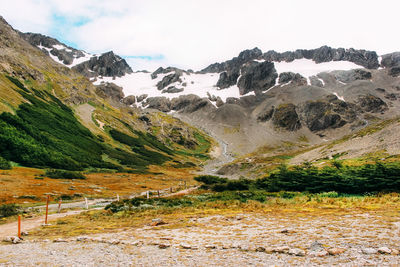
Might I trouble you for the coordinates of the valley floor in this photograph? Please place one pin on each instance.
(237, 238)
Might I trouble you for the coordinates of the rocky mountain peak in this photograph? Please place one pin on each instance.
(107, 64)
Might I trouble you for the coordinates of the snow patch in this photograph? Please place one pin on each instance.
(53, 57)
(198, 84)
(79, 60)
(308, 68)
(339, 97)
(322, 81)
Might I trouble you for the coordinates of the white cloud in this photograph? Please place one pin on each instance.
(193, 34)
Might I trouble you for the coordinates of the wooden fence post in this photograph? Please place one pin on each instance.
(47, 209)
(59, 206)
(19, 226)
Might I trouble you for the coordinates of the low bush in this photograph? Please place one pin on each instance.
(63, 174)
(4, 164)
(7, 210)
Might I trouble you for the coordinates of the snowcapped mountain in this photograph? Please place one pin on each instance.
(251, 73)
(256, 98)
(107, 64)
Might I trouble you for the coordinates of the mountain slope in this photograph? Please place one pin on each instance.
(271, 99)
(53, 117)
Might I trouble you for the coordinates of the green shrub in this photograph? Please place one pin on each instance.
(7, 210)
(4, 164)
(379, 177)
(210, 179)
(63, 174)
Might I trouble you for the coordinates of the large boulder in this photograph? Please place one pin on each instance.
(191, 103)
(110, 90)
(172, 90)
(296, 78)
(319, 116)
(257, 77)
(371, 103)
(353, 75)
(162, 70)
(395, 71)
(169, 79)
(286, 117)
(227, 79)
(391, 60)
(129, 100)
(160, 102)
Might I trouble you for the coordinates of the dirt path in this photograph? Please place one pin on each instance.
(220, 155)
(10, 229)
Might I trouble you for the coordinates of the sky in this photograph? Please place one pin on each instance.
(192, 34)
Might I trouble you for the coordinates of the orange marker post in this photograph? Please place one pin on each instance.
(59, 206)
(19, 226)
(47, 209)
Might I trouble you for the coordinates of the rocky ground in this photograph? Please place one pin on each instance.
(279, 239)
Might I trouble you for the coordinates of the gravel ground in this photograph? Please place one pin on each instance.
(231, 240)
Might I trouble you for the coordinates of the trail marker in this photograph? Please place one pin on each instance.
(147, 194)
(59, 206)
(47, 209)
(19, 226)
(86, 204)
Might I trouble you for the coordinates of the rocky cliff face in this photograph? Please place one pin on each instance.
(108, 65)
(367, 59)
(51, 46)
(256, 77)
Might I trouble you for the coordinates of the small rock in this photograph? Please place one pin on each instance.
(113, 242)
(164, 246)
(296, 252)
(185, 246)
(244, 248)
(59, 240)
(283, 249)
(287, 231)
(316, 246)
(384, 250)
(81, 238)
(260, 249)
(336, 251)
(369, 251)
(16, 240)
(269, 250)
(395, 252)
(156, 222)
(24, 233)
(321, 253)
(210, 246)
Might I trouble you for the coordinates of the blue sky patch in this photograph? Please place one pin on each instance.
(149, 58)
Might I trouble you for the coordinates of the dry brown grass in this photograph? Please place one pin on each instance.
(26, 182)
(94, 222)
